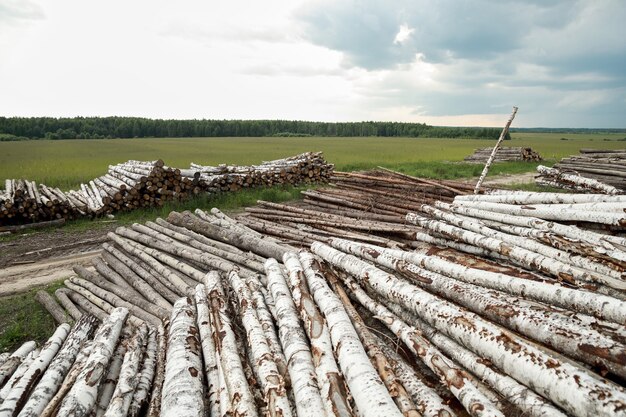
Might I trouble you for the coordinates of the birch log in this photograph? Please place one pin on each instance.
(59, 367)
(144, 385)
(449, 373)
(11, 364)
(494, 152)
(17, 376)
(295, 345)
(154, 408)
(377, 357)
(81, 398)
(20, 391)
(61, 295)
(597, 305)
(183, 393)
(129, 375)
(552, 378)
(531, 259)
(208, 350)
(50, 304)
(331, 383)
(272, 383)
(240, 397)
(51, 408)
(533, 320)
(370, 395)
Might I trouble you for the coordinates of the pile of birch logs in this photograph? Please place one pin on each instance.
(25, 201)
(125, 187)
(606, 167)
(504, 154)
(309, 167)
(573, 181)
(344, 306)
(134, 184)
(131, 185)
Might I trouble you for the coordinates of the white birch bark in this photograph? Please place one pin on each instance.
(584, 263)
(532, 320)
(15, 378)
(568, 231)
(240, 398)
(183, 391)
(550, 377)
(528, 258)
(449, 373)
(380, 361)
(369, 393)
(587, 183)
(3, 357)
(10, 365)
(20, 391)
(223, 396)
(295, 345)
(511, 390)
(598, 305)
(208, 350)
(129, 375)
(270, 380)
(330, 382)
(154, 408)
(81, 398)
(426, 400)
(146, 376)
(494, 151)
(615, 219)
(532, 197)
(108, 383)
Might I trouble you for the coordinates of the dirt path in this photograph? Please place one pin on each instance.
(21, 278)
(39, 258)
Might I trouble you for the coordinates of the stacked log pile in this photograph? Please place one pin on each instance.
(135, 184)
(438, 307)
(131, 185)
(306, 168)
(600, 167)
(24, 201)
(504, 154)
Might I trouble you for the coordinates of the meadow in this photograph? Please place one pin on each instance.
(67, 163)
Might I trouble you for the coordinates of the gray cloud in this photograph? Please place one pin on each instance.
(556, 56)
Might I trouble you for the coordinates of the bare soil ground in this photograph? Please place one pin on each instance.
(35, 259)
(39, 258)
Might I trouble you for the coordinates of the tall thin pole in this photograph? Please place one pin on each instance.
(494, 151)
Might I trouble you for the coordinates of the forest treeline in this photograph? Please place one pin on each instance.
(22, 128)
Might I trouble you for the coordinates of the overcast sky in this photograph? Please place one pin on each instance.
(443, 62)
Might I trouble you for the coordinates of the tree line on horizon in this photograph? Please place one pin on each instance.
(25, 128)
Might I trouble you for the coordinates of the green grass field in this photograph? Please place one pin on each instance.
(67, 163)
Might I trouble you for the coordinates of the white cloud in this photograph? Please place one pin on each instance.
(404, 33)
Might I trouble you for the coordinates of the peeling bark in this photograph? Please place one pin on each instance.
(295, 345)
(369, 393)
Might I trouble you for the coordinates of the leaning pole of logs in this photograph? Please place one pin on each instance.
(341, 305)
(494, 152)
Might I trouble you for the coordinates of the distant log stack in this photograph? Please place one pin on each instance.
(23, 201)
(602, 165)
(131, 185)
(309, 167)
(134, 184)
(506, 154)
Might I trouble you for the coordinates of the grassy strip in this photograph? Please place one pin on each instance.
(67, 163)
(22, 318)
